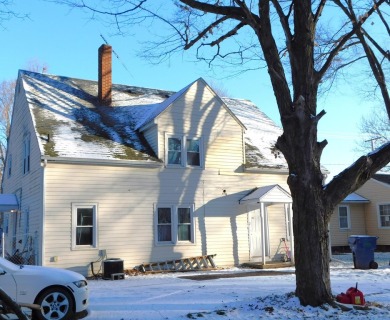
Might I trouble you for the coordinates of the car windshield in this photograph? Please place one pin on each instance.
(5, 264)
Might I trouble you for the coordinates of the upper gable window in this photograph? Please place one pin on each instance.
(26, 154)
(184, 151)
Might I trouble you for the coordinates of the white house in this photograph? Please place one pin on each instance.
(141, 174)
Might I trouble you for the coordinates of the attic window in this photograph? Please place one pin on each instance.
(184, 151)
(26, 154)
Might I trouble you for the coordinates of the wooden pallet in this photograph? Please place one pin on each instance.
(185, 264)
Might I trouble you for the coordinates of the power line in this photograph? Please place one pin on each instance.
(117, 56)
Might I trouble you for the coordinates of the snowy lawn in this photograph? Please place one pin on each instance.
(176, 296)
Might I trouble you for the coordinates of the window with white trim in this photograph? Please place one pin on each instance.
(84, 225)
(9, 165)
(26, 154)
(174, 224)
(184, 151)
(344, 219)
(384, 215)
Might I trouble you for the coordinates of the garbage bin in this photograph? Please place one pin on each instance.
(363, 247)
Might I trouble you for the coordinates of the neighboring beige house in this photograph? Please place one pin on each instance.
(141, 174)
(366, 212)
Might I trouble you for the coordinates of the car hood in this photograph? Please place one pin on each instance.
(59, 275)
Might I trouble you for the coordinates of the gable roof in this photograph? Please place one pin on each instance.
(272, 193)
(71, 123)
(355, 198)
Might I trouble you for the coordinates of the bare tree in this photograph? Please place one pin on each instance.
(7, 89)
(303, 46)
(7, 13)
(376, 129)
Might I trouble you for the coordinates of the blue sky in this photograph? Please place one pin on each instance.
(67, 42)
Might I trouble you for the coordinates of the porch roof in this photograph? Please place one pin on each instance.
(270, 194)
(8, 202)
(355, 198)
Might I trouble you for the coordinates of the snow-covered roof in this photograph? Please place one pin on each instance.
(354, 197)
(70, 121)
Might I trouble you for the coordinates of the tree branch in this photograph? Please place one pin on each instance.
(356, 175)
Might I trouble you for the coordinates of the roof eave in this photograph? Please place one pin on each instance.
(267, 170)
(103, 162)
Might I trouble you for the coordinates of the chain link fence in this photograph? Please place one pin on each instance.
(20, 249)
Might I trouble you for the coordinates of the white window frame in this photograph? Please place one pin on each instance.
(94, 207)
(348, 227)
(379, 215)
(26, 154)
(175, 225)
(183, 139)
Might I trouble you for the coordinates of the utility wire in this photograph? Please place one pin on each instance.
(117, 56)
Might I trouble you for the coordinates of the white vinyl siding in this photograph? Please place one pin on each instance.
(344, 217)
(200, 114)
(384, 215)
(127, 216)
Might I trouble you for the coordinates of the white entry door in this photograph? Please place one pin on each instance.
(255, 235)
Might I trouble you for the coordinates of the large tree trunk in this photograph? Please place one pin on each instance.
(311, 244)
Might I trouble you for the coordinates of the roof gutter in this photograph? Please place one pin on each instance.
(103, 162)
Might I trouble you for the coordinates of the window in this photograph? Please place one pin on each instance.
(175, 224)
(174, 151)
(164, 217)
(26, 154)
(344, 221)
(183, 151)
(84, 225)
(384, 215)
(9, 165)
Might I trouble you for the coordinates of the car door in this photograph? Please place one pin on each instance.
(7, 282)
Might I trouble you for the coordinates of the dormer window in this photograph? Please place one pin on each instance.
(184, 151)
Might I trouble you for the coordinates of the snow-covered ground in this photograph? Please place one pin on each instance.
(174, 296)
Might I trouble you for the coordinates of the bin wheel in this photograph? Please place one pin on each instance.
(373, 265)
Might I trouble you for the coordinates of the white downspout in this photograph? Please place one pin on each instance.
(262, 214)
(41, 257)
(290, 218)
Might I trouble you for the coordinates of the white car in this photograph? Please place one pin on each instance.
(62, 294)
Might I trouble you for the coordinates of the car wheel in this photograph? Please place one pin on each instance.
(56, 304)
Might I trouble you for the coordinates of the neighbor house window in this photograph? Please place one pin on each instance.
(9, 165)
(384, 215)
(344, 220)
(26, 154)
(84, 225)
(175, 224)
(184, 151)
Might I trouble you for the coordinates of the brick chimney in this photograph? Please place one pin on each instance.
(105, 75)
